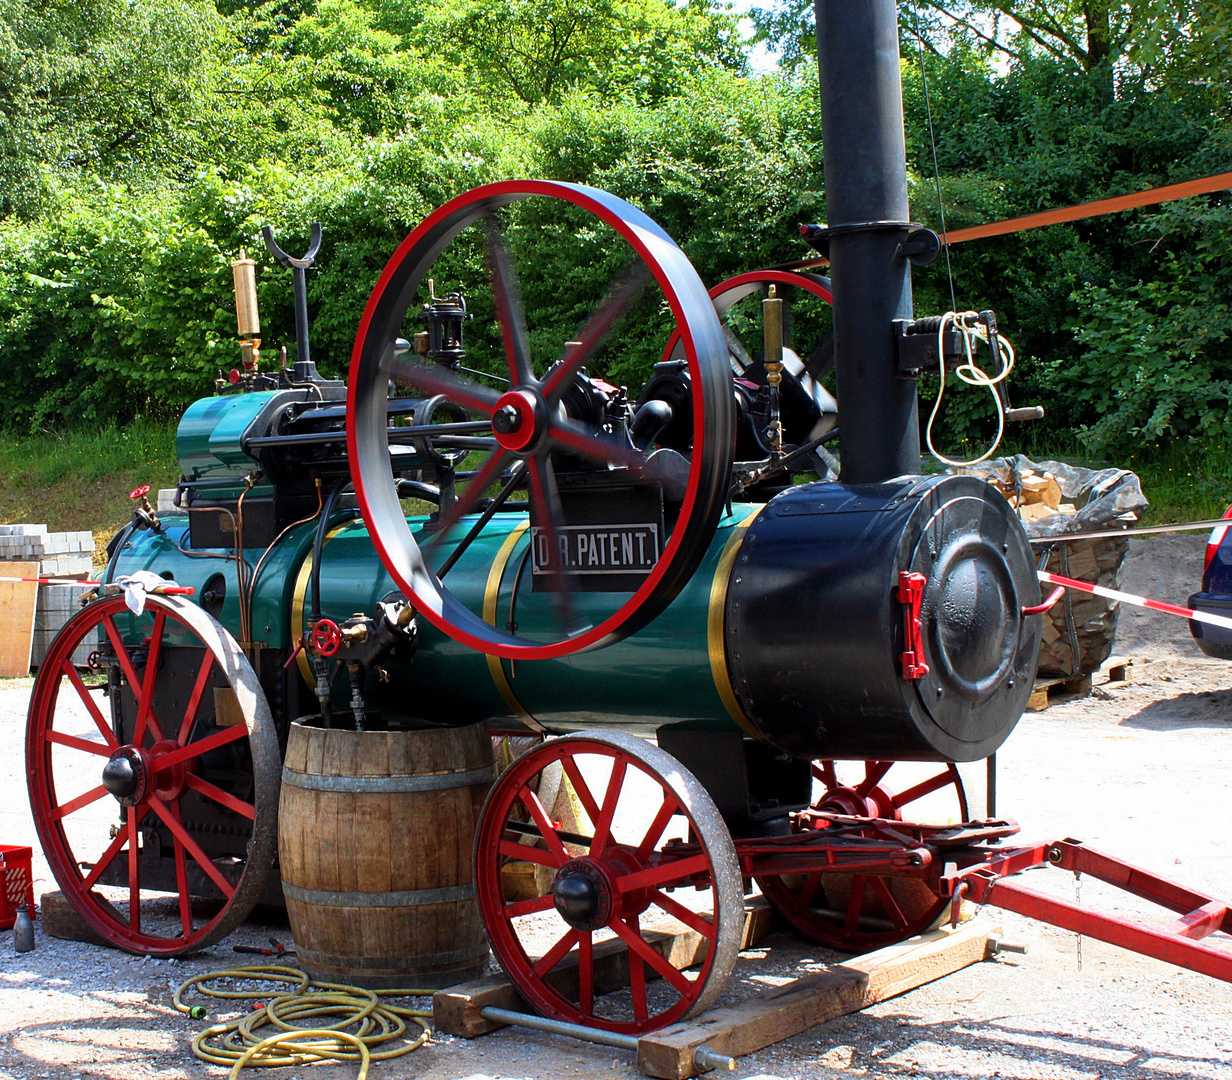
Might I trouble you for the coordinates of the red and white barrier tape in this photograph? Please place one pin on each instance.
(1137, 601)
(52, 581)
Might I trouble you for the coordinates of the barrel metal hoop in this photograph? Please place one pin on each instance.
(359, 785)
(394, 964)
(407, 898)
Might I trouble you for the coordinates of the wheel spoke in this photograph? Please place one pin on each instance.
(469, 498)
(638, 946)
(471, 494)
(874, 772)
(637, 975)
(222, 797)
(526, 853)
(603, 827)
(683, 914)
(531, 801)
(881, 888)
(854, 903)
(825, 772)
(556, 953)
(202, 746)
(59, 813)
(145, 714)
(134, 873)
(193, 849)
(91, 706)
(507, 299)
(667, 873)
(581, 789)
(126, 664)
(809, 889)
(530, 907)
(926, 787)
(597, 445)
(107, 858)
(194, 702)
(432, 379)
(586, 973)
(545, 503)
(655, 832)
(624, 293)
(78, 744)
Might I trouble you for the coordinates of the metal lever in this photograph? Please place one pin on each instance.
(298, 281)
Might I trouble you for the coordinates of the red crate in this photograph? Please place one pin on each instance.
(16, 883)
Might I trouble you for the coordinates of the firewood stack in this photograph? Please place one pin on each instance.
(1079, 631)
(1093, 618)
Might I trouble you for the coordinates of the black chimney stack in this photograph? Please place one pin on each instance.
(867, 211)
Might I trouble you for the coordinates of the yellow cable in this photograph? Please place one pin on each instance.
(238, 1044)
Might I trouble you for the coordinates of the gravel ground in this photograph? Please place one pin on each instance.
(1137, 769)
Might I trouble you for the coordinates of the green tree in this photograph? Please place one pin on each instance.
(537, 50)
(109, 87)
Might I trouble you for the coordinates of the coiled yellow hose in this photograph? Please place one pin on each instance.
(237, 1042)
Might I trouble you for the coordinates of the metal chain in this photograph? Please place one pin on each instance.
(1078, 901)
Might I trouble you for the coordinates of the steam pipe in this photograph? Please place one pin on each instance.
(866, 187)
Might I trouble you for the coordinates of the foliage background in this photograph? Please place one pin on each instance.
(144, 142)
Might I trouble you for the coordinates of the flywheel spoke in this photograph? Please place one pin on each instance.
(434, 379)
(507, 299)
(625, 292)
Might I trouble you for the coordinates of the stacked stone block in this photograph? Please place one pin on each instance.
(58, 555)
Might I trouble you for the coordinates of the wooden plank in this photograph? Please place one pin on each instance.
(18, 599)
(788, 1010)
(456, 1010)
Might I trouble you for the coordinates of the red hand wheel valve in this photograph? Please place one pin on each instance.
(326, 637)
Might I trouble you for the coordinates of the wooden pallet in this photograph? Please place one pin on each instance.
(749, 1025)
(1048, 692)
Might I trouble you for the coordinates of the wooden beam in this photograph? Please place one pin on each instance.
(788, 1010)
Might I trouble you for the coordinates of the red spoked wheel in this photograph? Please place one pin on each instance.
(163, 748)
(530, 421)
(857, 912)
(643, 827)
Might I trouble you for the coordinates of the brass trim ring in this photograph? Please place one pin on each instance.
(716, 645)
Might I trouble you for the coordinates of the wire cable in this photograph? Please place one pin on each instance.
(970, 329)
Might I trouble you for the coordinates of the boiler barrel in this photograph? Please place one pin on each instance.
(793, 629)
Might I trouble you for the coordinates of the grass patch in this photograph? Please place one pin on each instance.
(80, 479)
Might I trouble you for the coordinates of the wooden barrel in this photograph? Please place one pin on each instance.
(375, 833)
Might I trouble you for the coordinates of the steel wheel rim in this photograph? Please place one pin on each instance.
(713, 420)
(717, 856)
(793, 898)
(167, 782)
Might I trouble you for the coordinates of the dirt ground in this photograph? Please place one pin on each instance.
(1138, 769)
